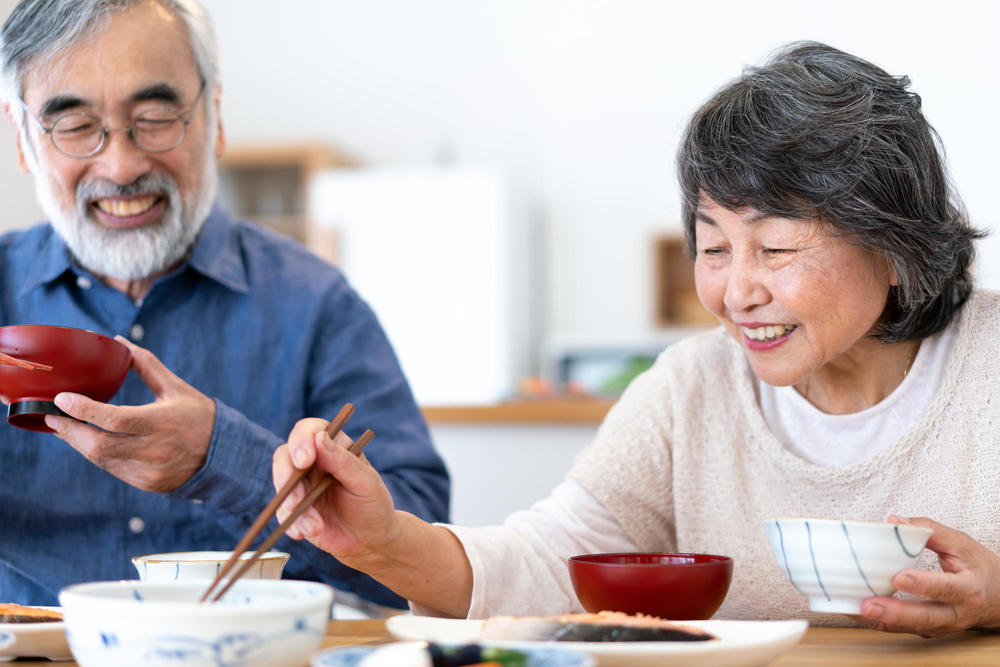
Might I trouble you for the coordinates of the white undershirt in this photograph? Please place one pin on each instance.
(839, 441)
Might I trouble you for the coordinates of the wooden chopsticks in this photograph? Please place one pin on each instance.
(272, 507)
(8, 360)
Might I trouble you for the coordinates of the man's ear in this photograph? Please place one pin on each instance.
(220, 133)
(21, 162)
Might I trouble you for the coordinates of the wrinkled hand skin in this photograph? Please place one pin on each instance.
(153, 447)
(964, 595)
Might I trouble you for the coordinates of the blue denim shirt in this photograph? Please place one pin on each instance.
(253, 320)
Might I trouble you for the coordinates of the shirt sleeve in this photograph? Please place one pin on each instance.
(350, 360)
(520, 567)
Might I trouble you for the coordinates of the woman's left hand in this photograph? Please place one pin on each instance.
(965, 594)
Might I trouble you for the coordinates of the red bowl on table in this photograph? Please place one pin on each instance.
(82, 361)
(672, 586)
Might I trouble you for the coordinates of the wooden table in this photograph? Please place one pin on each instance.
(820, 646)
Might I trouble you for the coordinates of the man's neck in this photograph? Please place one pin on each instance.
(133, 289)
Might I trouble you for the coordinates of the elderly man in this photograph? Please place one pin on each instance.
(116, 108)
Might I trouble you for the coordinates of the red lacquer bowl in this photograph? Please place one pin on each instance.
(82, 361)
(672, 586)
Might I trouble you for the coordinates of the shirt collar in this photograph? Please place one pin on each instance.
(51, 262)
(216, 255)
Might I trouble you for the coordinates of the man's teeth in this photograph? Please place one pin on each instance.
(769, 332)
(124, 208)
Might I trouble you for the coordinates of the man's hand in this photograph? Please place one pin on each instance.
(965, 594)
(154, 447)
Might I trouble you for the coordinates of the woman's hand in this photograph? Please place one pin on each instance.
(965, 594)
(355, 517)
(355, 521)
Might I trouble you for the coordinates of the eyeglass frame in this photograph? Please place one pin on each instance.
(105, 131)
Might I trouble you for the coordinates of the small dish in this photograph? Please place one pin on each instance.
(204, 565)
(413, 654)
(34, 640)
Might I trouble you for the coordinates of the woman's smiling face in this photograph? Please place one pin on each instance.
(794, 293)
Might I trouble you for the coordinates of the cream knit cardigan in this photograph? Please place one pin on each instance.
(685, 462)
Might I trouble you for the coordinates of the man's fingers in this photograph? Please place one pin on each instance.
(157, 377)
(111, 418)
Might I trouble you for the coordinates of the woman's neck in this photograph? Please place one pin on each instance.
(860, 378)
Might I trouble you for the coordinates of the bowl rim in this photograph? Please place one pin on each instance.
(172, 556)
(87, 597)
(716, 559)
(60, 326)
(849, 522)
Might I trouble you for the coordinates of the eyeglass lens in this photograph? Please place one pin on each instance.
(81, 134)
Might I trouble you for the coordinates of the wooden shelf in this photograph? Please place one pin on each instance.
(267, 183)
(531, 411)
(676, 298)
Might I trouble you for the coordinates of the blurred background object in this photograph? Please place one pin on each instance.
(509, 207)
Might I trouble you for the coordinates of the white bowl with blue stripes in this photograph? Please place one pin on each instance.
(837, 564)
(204, 565)
(258, 623)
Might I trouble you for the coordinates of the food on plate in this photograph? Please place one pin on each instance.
(437, 655)
(15, 613)
(605, 626)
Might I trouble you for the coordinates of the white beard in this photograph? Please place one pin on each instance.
(135, 253)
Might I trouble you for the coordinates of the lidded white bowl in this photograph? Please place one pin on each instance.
(204, 565)
(837, 564)
(258, 623)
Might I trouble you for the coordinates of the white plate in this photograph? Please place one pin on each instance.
(739, 643)
(34, 640)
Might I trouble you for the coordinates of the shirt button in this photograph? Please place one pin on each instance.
(136, 525)
(137, 332)
(83, 282)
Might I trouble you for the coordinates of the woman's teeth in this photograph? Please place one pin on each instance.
(768, 332)
(124, 208)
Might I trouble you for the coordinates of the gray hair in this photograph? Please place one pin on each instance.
(40, 29)
(816, 133)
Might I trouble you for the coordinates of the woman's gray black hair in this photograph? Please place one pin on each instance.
(816, 133)
(41, 29)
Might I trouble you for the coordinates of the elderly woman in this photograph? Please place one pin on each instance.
(852, 377)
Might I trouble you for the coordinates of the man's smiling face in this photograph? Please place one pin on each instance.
(126, 213)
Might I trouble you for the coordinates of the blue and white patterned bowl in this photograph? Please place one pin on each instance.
(258, 623)
(837, 564)
(204, 565)
(413, 654)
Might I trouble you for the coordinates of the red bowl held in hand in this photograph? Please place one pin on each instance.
(672, 586)
(82, 361)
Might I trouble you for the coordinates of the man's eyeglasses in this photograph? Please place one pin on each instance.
(81, 135)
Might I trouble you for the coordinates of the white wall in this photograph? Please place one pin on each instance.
(581, 101)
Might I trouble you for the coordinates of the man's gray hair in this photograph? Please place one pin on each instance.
(41, 29)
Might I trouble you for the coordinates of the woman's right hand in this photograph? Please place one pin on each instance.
(355, 517)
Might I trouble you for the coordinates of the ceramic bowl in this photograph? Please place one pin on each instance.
(837, 564)
(258, 623)
(673, 586)
(204, 565)
(82, 361)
